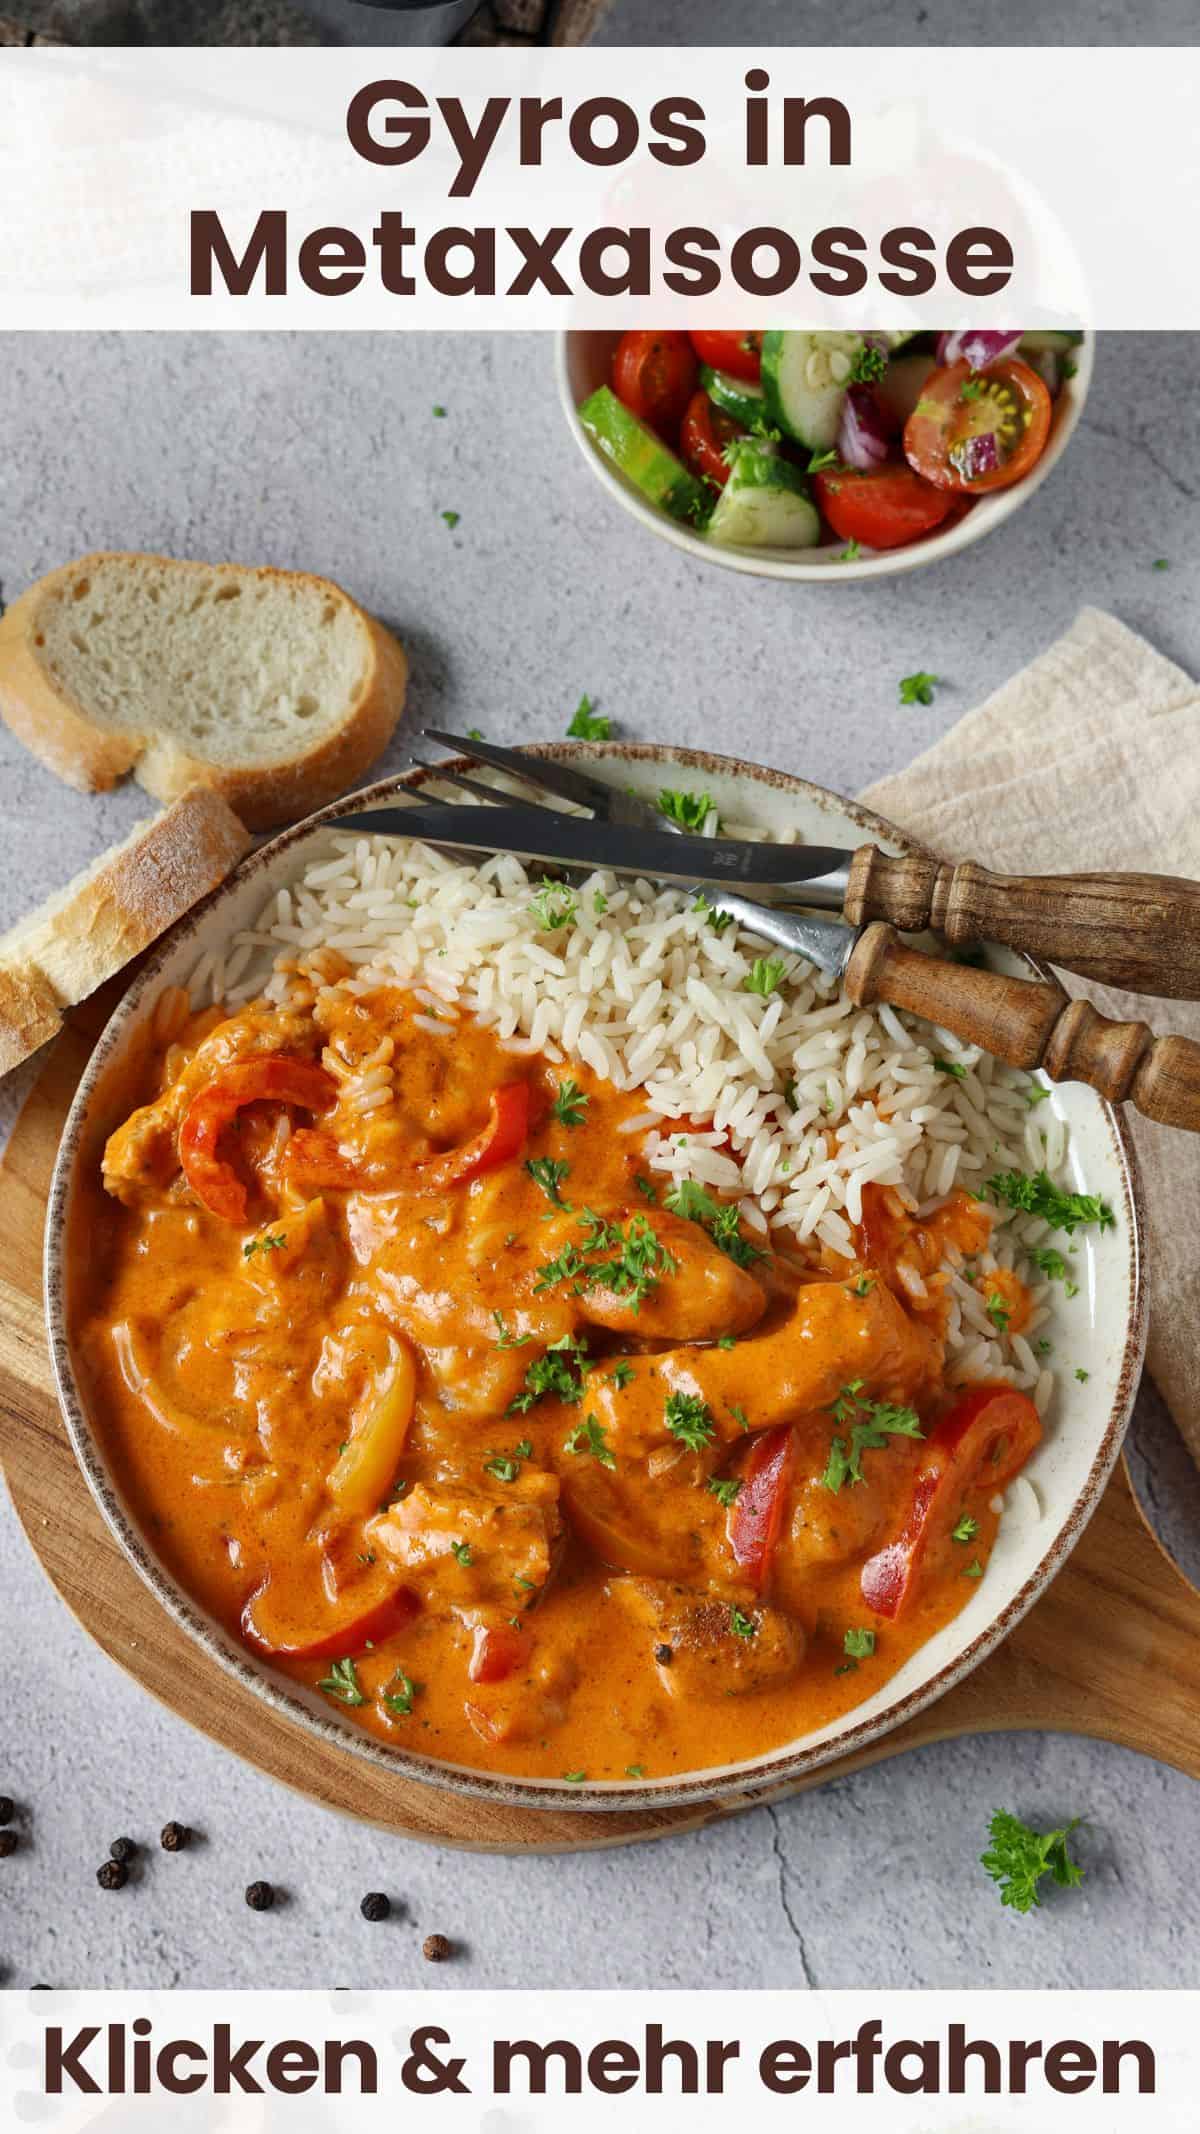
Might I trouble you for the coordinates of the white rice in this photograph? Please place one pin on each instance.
(817, 1097)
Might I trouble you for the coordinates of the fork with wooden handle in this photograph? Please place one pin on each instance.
(1031, 1025)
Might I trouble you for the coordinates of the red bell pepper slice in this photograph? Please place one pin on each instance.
(353, 1634)
(756, 1514)
(981, 1443)
(273, 1079)
(499, 1650)
(315, 1159)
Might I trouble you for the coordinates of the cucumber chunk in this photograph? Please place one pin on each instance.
(646, 463)
(1056, 344)
(804, 377)
(739, 397)
(764, 504)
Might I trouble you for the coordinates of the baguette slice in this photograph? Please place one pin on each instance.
(274, 688)
(90, 930)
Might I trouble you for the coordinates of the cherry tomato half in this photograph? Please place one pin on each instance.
(973, 431)
(882, 509)
(706, 432)
(654, 374)
(738, 353)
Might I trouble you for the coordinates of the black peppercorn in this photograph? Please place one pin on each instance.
(435, 1948)
(113, 1875)
(8, 1807)
(174, 1837)
(9, 1842)
(124, 1850)
(664, 1655)
(260, 1896)
(375, 1905)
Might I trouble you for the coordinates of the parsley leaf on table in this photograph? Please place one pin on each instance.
(1019, 1858)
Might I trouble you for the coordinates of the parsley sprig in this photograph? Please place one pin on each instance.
(558, 1374)
(588, 725)
(1036, 1194)
(554, 906)
(342, 1682)
(1018, 1859)
(918, 688)
(868, 1425)
(630, 1261)
(720, 1218)
(690, 1420)
(690, 810)
(570, 1103)
(590, 1437)
(549, 1173)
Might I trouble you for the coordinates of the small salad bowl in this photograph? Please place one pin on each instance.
(583, 362)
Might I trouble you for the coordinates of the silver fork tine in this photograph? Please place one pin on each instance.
(474, 786)
(569, 784)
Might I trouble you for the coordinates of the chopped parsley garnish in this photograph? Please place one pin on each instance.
(1019, 1858)
(461, 1552)
(1162, 563)
(270, 1241)
(509, 1340)
(966, 1529)
(918, 688)
(973, 388)
(869, 365)
(974, 1570)
(720, 1218)
(645, 1187)
(726, 1341)
(1050, 1263)
(399, 1699)
(589, 1437)
(621, 1375)
(554, 906)
(724, 1492)
(739, 1415)
(764, 975)
(588, 725)
(821, 460)
(849, 554)
(635, 1771)
(1044, 1347)
(742, 1626)
(506, 1466)
(689, 1419)
(954, 1067)
(864, 1286)
(639, 1261)
(999, 1312)
(690, 810)
(870, 1424)
(452, 519)
(1082, 1375)
(1036, 1093)
(570, 1104)
(549, 1174)
(574, 1778)
(1037, 1194)
(474, 733)
(599, 903)
(858, 1644)
(718, 920)
(558, 1373)
(342, 1682)
(439, 411)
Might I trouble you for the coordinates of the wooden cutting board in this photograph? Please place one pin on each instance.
(1111, 1650)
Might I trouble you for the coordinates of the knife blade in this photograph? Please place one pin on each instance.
(817, 872)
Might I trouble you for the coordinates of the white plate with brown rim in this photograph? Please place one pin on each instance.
(1069, 1470)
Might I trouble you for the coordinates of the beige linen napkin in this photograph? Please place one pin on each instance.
(1090, 758)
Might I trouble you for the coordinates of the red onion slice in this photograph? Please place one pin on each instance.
(976, 456)
(976, 346)
(862, 440)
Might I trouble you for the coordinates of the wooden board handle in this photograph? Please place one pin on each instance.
(1140, 932)
(1032, 1025)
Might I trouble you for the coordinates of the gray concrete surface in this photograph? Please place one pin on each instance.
(652, 22)
(323, 452)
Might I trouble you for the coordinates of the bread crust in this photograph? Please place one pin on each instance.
(50, 722)
(62, 953)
